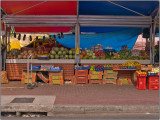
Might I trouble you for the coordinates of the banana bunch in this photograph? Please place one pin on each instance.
(107, 65)
(140, 72)
(131, 63)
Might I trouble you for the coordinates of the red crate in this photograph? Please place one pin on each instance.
(153, 86)
(141, 82)
(153, 79)
(81, 80)
(80, 73)
(95, 81)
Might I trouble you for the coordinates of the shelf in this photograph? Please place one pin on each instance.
(72, 61)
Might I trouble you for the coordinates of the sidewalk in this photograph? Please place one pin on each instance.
(82, 98)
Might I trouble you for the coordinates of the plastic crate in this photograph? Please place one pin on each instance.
(56, 82)
(141, 82)
(152, 74)
(56, 73)
(153, 79)
(146, 67)
(95, 81)
(153, 86)
(95, 77)
(53, 69)
(99, 69)
(131, 67)
(56, 77)
(107, 68)
(83, 80)
(108, 71)
(109, 81)
(80, 73)
(35, 67)
(110, 76)
(122, 67)
(96, 72)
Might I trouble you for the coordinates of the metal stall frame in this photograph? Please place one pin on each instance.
(80, 20)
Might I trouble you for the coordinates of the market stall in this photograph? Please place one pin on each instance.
(94, 63)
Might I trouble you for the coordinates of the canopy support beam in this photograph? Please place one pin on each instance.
(4, 54)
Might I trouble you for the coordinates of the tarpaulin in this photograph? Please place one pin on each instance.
(114, 39)
(42, 29)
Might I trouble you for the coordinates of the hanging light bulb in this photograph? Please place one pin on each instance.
(36, 38)
(19, 36)
(43, 38)
(62, 36)
(59, 36)
(30, 38)
(24, 37)
(14, 35)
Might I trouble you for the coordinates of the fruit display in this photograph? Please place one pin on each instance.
(141, 73)
(92, 68)
(131, 63)
(107, 65)
(100, 54)
(14, 53)
(125, 54)
(62, 53)
(154, 70)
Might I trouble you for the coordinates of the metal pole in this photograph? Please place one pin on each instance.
(154, 31)
(5, 50)
(9, 38)
(77, 37)
(151, 44)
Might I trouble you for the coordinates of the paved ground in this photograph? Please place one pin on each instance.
(82, 94)
(98, 116)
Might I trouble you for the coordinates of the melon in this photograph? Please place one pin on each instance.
(59, 52)
(70, 56)
(61, 56)
(62, 48)
(56, 56)
(70, 52)
(64, 52)
(56, 49)
(52, 56)
(53, 52)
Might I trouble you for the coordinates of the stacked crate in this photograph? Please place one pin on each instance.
(95, 77)
(24, 78)
(81, 76)
(153, 82)
(110, 76)
(56, 77)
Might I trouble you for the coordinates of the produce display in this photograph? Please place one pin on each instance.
(131, 63)
(62, 53)
(154, 70)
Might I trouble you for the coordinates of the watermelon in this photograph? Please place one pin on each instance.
(62, 48)
(70, 56)
(56, 56)
(64, 52)
(61, 56)
(56, 49)
(52, 56)
(73, 56)
(70, 52)
(66, 56)
(53, 52)
(59, 52)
